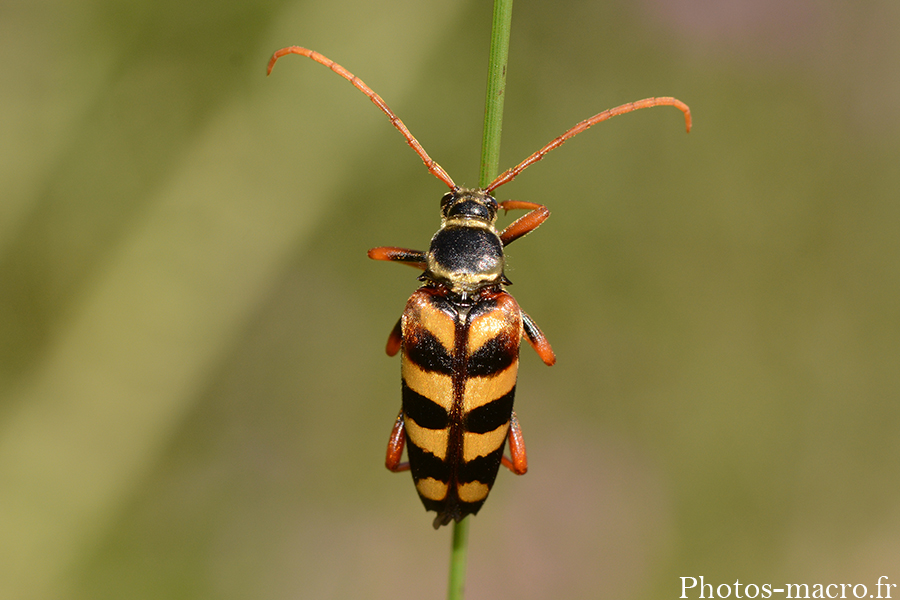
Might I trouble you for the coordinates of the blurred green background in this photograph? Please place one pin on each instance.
(194, 396)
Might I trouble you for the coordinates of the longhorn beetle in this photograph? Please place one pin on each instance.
(459, 335)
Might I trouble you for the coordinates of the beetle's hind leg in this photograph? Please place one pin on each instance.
(518, 461)
(395, 447)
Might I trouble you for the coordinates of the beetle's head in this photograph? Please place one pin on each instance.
(468, 207)
(466, 253)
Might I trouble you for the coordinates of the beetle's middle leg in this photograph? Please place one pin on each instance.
(395, 339)
(537, 340)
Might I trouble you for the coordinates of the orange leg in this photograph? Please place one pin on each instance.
(395, 447)
(524, 224)
(518, 461)
(394, 340)
(413, 258)
(537, 340)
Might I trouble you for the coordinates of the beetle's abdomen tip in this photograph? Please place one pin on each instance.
(444, 518)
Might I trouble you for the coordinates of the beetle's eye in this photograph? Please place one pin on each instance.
(491, 203)
(447, 199)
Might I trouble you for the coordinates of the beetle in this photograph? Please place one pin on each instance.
(460, 332)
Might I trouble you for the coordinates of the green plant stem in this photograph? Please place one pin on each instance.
(458, 556)
(496, 91)
(490, 161)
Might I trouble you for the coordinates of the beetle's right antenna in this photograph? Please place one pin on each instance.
(510, 174)
(433, 168)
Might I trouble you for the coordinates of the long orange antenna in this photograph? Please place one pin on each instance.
(511, 174)
(433, 168)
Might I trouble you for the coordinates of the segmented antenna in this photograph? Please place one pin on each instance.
(433, 168)
(511, 174)
(436, 169)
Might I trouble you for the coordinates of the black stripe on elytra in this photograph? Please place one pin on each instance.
(428, 353)
(424, 411)
(424, 464)
(482, 469)
(492, 415)
(494, 356)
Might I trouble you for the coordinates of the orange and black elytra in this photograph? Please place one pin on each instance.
(459, 335)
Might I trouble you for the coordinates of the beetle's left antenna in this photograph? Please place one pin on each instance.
(433, 168)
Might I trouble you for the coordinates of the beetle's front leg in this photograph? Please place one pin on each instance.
(413, 258)
(524, 224)
(518, 460)
(395, 447)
